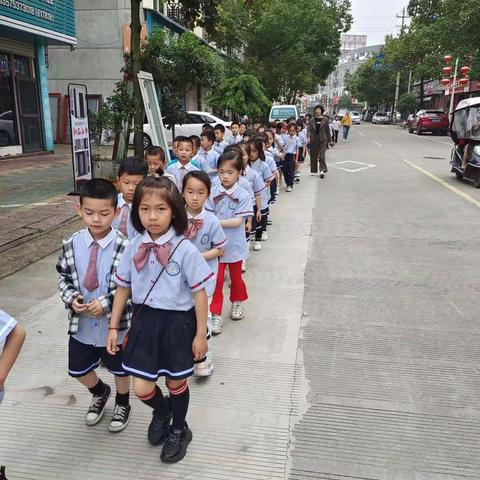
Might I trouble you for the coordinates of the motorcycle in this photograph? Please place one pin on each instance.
(465, 133)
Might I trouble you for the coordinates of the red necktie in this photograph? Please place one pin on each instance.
(217, 198)
(124, 219)
(90, 282)
(193, 227)
(162, 252)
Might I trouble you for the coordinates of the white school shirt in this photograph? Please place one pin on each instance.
(94, 330)
(219, 147)
(236, 139)
(336, 125)
(275, 152)
(176, 171)
(211, 235)
(7, 324)
(302, 138)
(242, 182)
(257, 185)
(186, 273)
(208, 162)
(236, 203)
(270, 161)
(290, 144)
(266, 175)
(131, 232)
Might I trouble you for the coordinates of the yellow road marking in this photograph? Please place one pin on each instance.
(445, 184)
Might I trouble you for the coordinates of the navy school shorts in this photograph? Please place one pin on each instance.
(83, 358)
(159, 344)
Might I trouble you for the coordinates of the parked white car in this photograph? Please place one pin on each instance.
(355, 117)
(192, 126)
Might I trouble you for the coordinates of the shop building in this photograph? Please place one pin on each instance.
(27, 29)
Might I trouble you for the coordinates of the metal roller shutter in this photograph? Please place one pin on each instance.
(8, 45)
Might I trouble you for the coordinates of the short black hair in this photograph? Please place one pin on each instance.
(154, 151)
(234, 123)
(133, 166)
(196, 140)
(199, 175)
(183, 139)
(207, 126)
(100, 189)
(220, 127)
(322, 109)
(169, 192)
(209, 134)
(232, 155)
(234, 147)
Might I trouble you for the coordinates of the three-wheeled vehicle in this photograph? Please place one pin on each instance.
(465, 133)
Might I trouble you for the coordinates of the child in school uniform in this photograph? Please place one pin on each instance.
(12, 336)
(183, 165)
(207, 156)
(270, 161)
(302, 149)
(220, 142)
(237, 137)
(232, 205)
(274, 152)
(165, 276)
(205, 232)
(290, 148)
(130, 173)
(155, 158)
(196, 147)
(257, 162)
(86, 266)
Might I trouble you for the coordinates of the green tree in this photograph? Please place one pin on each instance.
(407, 103)
(345, 102)
(240, 94)
(178, 65)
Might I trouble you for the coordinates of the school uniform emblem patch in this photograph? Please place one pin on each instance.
(232, 205)
(173, 268)
(205, 238)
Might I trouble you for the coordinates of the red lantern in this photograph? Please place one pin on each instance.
(447, 71)
(463, 82)
(445, 82)
(447, 59)
(465, 70)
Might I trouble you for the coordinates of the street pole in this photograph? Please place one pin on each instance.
(397, 85)
(452, 97)
(410, 81)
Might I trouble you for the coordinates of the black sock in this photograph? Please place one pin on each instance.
(179, 404)
(122, 399)
(98, 389)
(156, 401)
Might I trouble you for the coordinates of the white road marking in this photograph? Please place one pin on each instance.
(361, 134)
(365, 166)
(445, 184)
(403, 132)
(376, 143)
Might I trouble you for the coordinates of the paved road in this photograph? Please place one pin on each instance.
(390, 336)
(358, 359)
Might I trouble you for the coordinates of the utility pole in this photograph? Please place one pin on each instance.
(397, 86)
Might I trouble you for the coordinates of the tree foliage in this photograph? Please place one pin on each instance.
(290, 47)
(345, 102)
(240, 94)
(407, 103)
(177, 65)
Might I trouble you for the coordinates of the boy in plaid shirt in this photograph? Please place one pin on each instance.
(86, 266)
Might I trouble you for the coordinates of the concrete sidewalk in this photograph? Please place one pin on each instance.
(241, 417)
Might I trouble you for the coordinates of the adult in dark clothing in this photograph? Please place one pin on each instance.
(320, 137)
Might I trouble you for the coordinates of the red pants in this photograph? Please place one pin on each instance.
(238, 289)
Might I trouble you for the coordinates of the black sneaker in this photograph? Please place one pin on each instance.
(120, 419)
(175, 446)
(97, 407)
(158, 428)
(2, 473)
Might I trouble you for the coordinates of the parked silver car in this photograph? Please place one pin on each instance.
(381, 117)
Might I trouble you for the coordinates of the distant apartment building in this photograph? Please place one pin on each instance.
(103, 34)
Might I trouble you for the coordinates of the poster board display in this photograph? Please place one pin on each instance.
(80, 134)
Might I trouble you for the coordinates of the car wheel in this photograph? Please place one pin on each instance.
(147, 142)
(476, 182)
(418, 131)
(4, 138)
(459, 175)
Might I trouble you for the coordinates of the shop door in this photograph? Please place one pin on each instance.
(29, 108)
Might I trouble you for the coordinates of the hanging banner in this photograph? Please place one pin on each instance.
(80, 134)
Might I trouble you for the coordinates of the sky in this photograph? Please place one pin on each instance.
(376, 18)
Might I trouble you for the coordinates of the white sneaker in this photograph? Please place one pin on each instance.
(217, 324)
(289, 189)
(206, 368)
(244, 266)
(277, 191)
(237, 311)
(312, 174)
(322, 174)
(257, 245)
(264, 236)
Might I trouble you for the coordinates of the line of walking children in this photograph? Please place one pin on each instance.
(143, 280)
